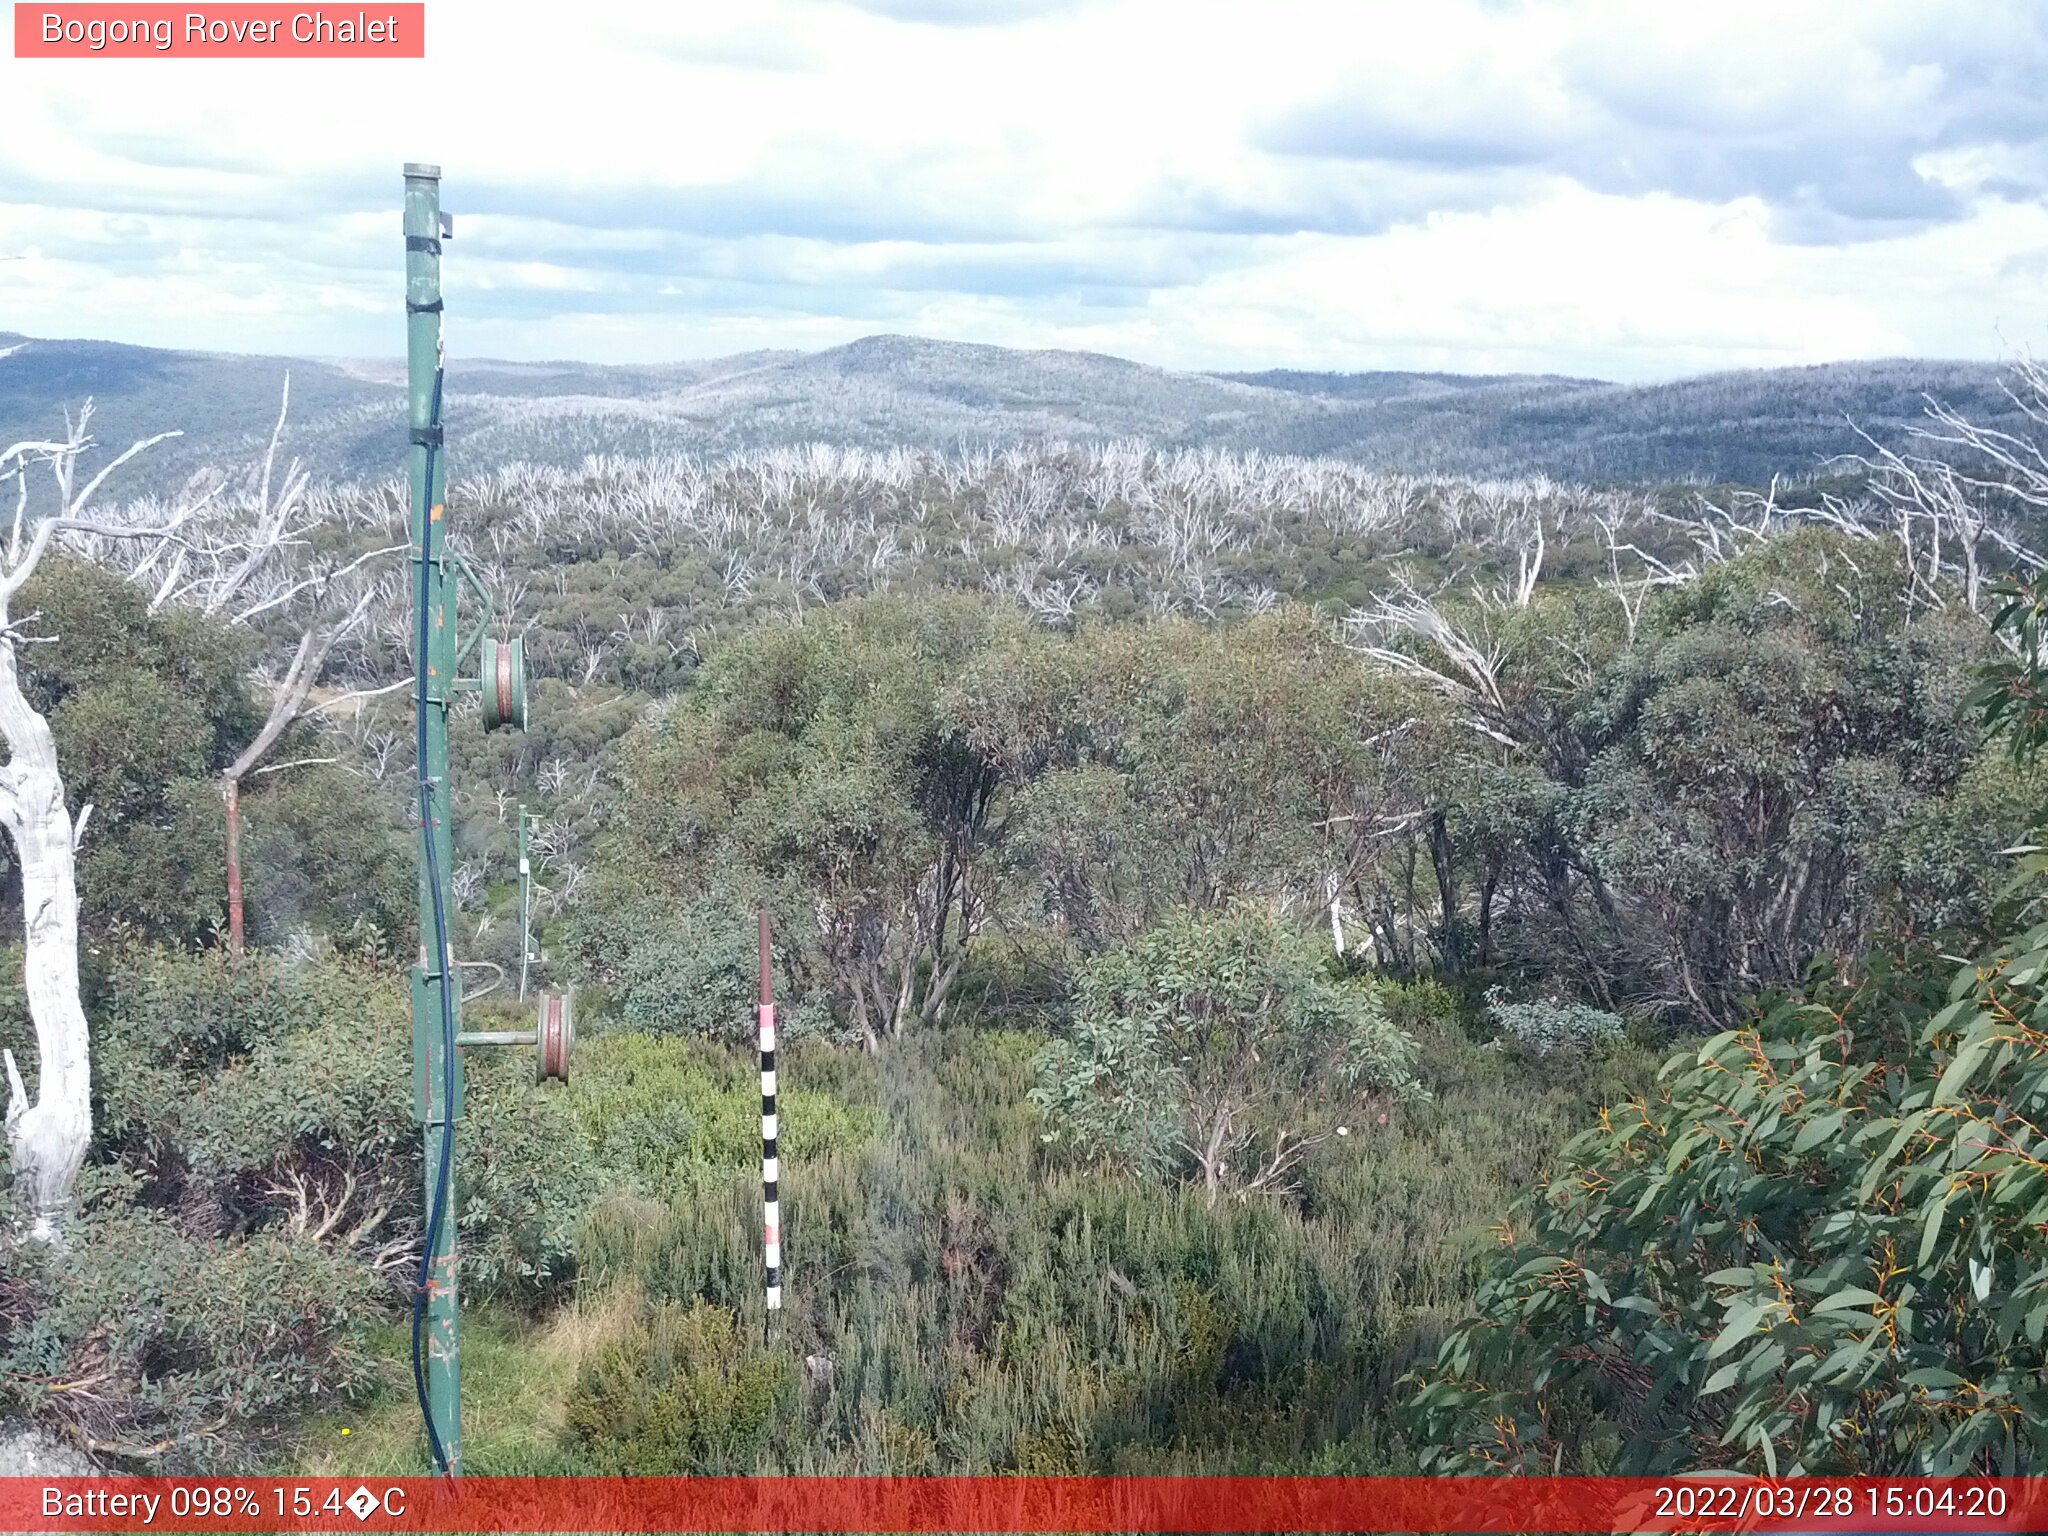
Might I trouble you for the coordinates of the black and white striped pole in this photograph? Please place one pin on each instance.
(771, 1163)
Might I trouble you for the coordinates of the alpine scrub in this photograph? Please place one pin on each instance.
(1817, 1247)
(1820, 1246)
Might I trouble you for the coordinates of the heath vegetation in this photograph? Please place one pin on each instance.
(1231, 912)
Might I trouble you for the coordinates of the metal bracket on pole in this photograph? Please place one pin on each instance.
(553, 1037)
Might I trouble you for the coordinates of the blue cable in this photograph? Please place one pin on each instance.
(442, 1177)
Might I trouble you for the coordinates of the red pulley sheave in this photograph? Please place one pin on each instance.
(504, 683)
(557, 1037)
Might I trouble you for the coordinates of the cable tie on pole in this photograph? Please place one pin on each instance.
(425, 243)
(423, 309)
(426, 437)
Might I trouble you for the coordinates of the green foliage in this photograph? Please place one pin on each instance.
(693, 971)
(1546, 1026)
(1215, 1042)
(253, 1205)
(2011, 695)
(659, 1110)
(144, 707)
(524, 1177)
(262, 1094)
(323, 852)
(176, 1351)
(1194, 765)
(963, 1302)
(147, 709)
(1815, 1249)
(106, 640)
(679, 1393)
(810, 771)
(897, 777)
(959, 815)
(1750, 767)
(1769, 767)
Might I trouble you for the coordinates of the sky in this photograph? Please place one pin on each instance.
(1625, 189)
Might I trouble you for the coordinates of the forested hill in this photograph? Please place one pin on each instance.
(1741, 427)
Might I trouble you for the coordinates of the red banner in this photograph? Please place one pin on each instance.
(1025, 1504)
(236, 31)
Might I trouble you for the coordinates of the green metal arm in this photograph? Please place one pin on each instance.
(475, 584)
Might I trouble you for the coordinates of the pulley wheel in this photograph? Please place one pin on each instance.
(502, 681)
(557, 1037)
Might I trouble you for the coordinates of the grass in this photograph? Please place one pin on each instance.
(963, 1299)
(516, 1375)
(971, 1301)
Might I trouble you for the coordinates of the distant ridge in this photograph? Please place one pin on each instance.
(883, 391)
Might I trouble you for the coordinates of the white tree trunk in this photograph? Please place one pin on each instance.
(47, 1138)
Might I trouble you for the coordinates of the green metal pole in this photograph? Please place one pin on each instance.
(437, 1079)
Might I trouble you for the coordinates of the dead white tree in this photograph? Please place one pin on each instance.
(1463, 662)
(1529, 551)
(1633, 591)
(1957, 497)
(236, 559)
(48, 1135)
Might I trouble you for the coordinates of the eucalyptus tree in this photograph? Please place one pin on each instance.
(812, 767)
(1815, 1248)
(249, 558)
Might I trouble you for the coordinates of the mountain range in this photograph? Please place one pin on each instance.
(347, 417)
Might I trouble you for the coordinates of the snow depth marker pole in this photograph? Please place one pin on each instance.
(526, 952)
(771, 1164)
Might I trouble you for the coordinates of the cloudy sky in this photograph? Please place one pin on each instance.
(1630, 189)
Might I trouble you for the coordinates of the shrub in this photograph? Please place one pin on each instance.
(322, 850)
(259, 1177)
(693, 972)
(1545, 1026)
(1216, 1042)
(525, 1177)
(679, 1392)
(965, 1302)
(653, 1106)
(265, 1095)
(1816, 1249)
(176, 1351)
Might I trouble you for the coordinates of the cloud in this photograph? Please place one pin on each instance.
(1601, 187)
(915, 197)
(1829, 125)
(966, 13)
(750, 47)
(1447, 112)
